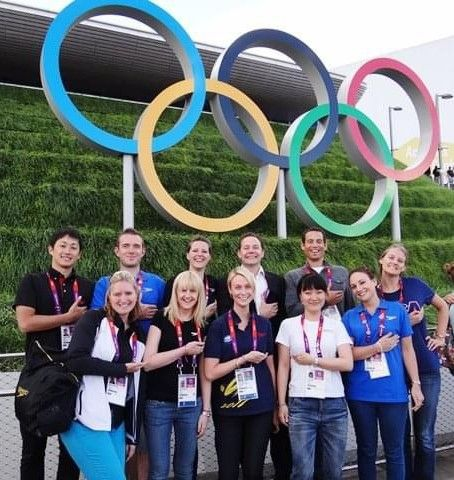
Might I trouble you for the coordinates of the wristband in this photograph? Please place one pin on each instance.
(441, 337)
(316, 361)
(206, 413)
(416, 382)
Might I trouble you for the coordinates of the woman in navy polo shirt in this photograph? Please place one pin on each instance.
(376, 389)
(413, 293)
(239, 361)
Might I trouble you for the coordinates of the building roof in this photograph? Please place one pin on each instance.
(122, 62)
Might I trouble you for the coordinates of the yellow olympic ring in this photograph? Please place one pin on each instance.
(158, 196)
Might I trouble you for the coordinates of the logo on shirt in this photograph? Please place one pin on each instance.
(147, 289)
(390, 317)
(227, 339)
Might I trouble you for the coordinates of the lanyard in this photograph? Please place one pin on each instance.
(207, 288)
(179, 332)
(381, 325)
(117, 345)
(317, 341)
(53, 289)
(233, 333)
(329, 273)
(139, 282)
(401, 291)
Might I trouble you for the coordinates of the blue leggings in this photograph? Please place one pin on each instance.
(100, 455)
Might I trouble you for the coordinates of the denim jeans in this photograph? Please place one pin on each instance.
(391, 418)
(311, 419)
(160, 419)
(422, 465)
(99, 454)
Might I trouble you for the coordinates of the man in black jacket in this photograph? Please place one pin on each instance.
(47, 305)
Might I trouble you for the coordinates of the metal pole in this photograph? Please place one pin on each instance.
(396, 234)
(128, 191)
(280, 206)
(440, 152)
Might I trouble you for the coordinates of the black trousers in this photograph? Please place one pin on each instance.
(281, 453)
(32, 461)
(242, 440)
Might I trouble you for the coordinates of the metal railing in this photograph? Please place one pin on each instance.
(10, 437)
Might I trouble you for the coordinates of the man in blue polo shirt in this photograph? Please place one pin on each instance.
(130, 249)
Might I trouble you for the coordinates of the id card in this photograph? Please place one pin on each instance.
(377, 366)
(315, 382)
(66, 332)
(187, 390)
(246, 383)
(116, 390)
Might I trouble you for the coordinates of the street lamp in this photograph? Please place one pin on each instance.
(443, 96)
(395, 211)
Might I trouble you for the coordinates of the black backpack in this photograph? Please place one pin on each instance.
(46, 393)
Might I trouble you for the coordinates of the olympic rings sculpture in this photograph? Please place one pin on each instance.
(365, 146)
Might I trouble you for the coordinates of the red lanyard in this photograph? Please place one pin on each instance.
(317, 341)
(53, 289)
(401, 291)
(381, 325)
(179, 332)
(329, 273)
(113, 332)
(139, 281)
(207, 289)
(233, 333)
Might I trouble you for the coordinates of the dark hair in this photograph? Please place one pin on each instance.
(313, 229)
(199, 238)
(70, 231)
(250, 234)
(362, 269)
(311, 281)
(129, 231)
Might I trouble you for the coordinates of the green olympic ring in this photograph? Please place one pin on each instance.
(299, 197)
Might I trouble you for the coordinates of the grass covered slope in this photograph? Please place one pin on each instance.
(49, 179)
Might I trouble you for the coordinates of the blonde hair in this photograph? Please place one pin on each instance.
(122, 276)
(242, 272)
(187, 279)
(398, 246)
(449, 269)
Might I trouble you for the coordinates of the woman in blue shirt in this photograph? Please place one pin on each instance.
(239, 361)
(376, 390)
(413, 293)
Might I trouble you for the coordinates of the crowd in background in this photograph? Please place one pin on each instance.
(272, 360)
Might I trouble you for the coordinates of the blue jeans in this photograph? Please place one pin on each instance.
(422, 466)
(160, 418)
(391, 417)
(312, 418)
(100, 455)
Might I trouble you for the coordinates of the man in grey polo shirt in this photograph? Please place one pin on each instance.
(314, 246)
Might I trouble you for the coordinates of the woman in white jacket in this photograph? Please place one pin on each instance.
(106, 351)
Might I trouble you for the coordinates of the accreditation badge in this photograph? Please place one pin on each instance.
(246, 383)
(377, 366)
(116, 390)
(187, 390)
(315, 382)
(66, 333)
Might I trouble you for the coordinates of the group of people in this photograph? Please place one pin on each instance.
(270, 359)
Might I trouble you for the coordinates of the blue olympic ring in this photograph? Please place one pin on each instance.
(151, 15)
